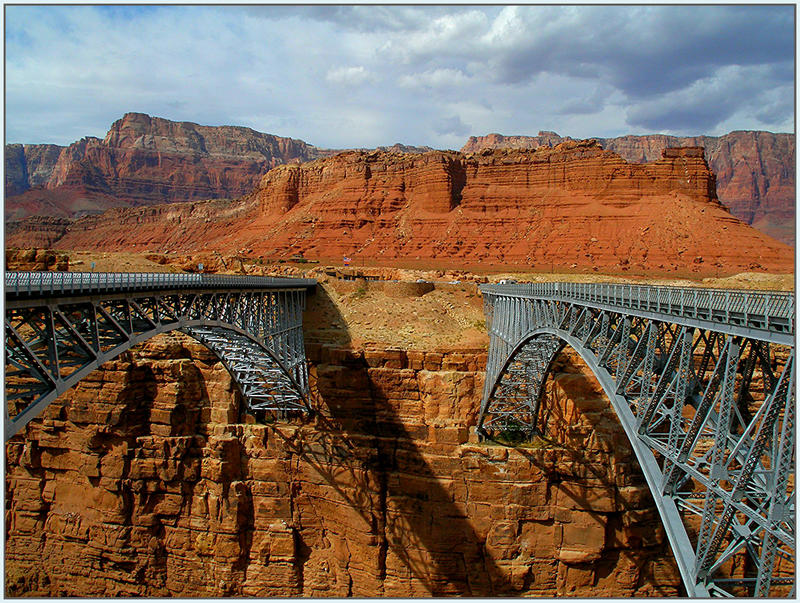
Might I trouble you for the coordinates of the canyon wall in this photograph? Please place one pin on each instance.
(574, 206)
(147, 160)
(755, 170)
(148, 480)
(28, 166)
(142, 160)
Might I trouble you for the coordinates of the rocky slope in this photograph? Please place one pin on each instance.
(145, 160)
(755, 170)
(575, 206)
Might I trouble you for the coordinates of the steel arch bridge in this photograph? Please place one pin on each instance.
(703, 382)
(60, 326)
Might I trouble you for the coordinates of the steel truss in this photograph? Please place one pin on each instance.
(254, 326)
(707, 404)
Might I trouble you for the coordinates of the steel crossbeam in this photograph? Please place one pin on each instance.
(61, 326)
(703, 382)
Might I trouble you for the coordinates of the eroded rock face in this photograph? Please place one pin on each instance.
(37, 260)
(29, 166)
(143, 160)
(755, 170)
(35, 231)
(143, 481)
(572, 206)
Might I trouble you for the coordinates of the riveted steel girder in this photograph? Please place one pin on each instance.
(66, 326)
(703, 384)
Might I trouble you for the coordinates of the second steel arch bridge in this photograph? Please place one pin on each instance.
(703, 383)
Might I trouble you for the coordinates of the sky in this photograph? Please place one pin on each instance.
(364, 76)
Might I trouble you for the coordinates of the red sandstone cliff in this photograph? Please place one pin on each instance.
(143, 160)
(146, 480)
(146, 160)
(755, 170)
(575, 205)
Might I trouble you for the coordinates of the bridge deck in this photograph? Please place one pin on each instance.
(767, 315)
(29, 285)
(60, 326)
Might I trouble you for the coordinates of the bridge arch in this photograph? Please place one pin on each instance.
(708, 410)
(544, 345)
(58, 333)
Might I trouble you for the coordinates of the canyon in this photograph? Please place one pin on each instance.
(146, 160)
(575, 206)
(150, 479)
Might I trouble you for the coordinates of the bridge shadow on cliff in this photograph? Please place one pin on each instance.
(421, 541)
(576, 418)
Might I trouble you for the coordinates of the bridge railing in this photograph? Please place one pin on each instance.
(767, 310)
(40, 284)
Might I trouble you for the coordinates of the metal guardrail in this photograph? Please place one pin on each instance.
(43, 284)
(757, 309)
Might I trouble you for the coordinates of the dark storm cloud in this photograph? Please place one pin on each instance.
(643, 51)
(695, 117)
(710, 101)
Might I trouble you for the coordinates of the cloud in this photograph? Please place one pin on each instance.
(434, 78)
(451, 126)
(373, 18)
(708, 102)
(343, 76)
(349, 76)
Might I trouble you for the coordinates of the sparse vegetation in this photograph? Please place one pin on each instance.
(514, 433)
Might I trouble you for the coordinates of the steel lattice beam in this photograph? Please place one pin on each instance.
(61, 326)
(703, 384)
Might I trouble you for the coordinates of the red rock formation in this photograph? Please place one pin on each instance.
(574, 206)
(145, 481)
(755, 170)
(35, 231)
(36, 260)
(145, 160)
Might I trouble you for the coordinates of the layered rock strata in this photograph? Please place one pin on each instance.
(146, 480)
(755, 170)
(142, 160)
(147, 160)
(575, 206)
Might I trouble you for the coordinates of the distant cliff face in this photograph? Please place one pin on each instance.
(142, 160)
(755, 170)
(29, 165)
(147, 160)
(575, 206)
